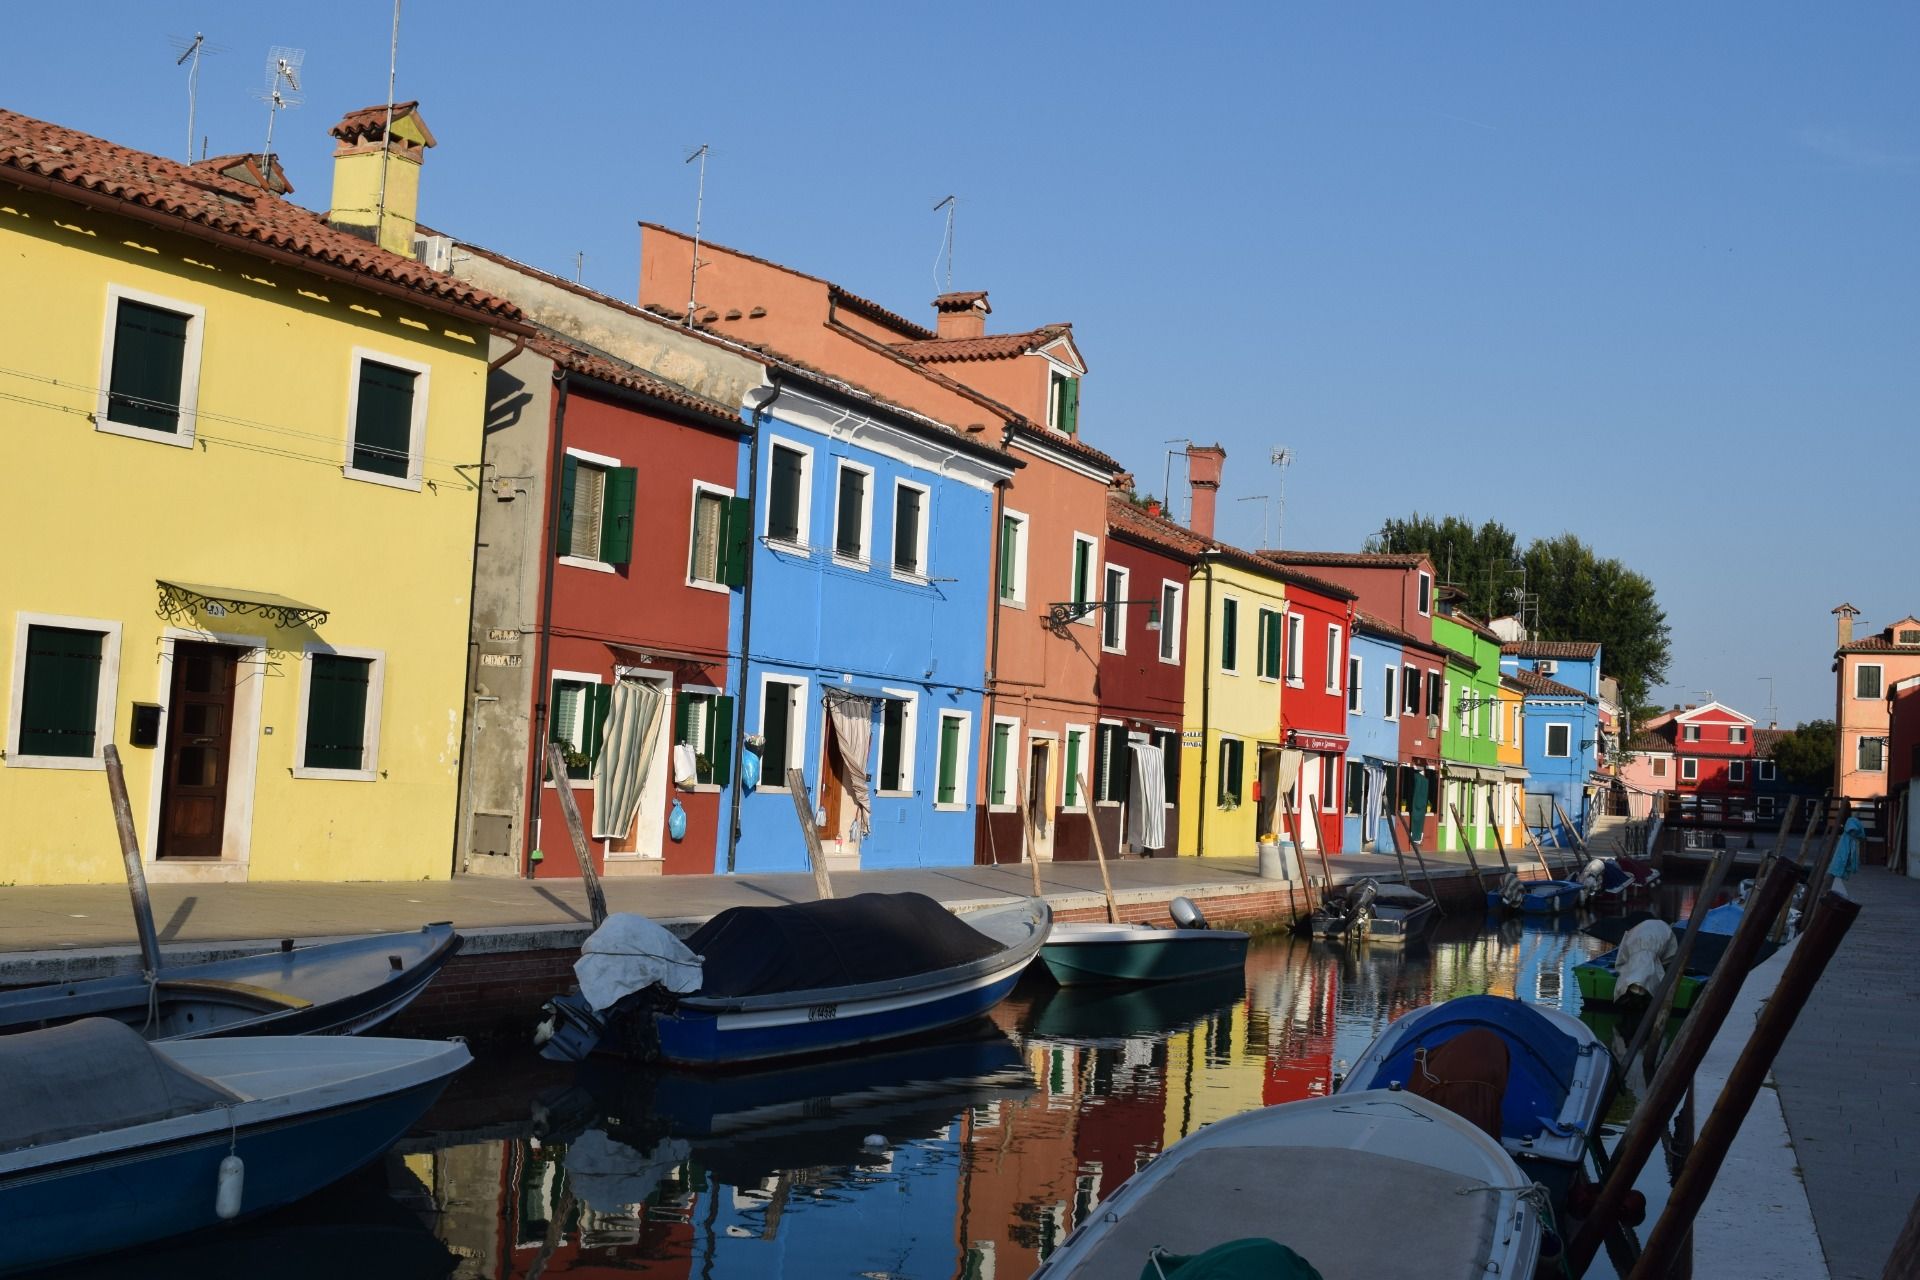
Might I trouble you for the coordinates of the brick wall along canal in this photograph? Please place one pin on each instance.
(997, 1140)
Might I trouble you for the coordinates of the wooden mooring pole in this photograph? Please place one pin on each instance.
(816, 855)
(1100, 856)
(1829, 923)
(563, 785)
(1432, 892)
(1653, 1027)
(1466, 843)
(130, 854)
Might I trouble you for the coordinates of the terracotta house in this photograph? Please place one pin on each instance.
(1865, 668)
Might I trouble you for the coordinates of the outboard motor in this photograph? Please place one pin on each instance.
(1512, 892)
(1360, 903)
(1593, 878)
(1186, 915)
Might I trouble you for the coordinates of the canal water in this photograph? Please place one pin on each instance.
(972, 1157)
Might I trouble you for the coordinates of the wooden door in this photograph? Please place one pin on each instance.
(835, 808)
(193, 795)
(1039, 799)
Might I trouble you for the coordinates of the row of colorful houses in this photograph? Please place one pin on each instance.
(360, 517)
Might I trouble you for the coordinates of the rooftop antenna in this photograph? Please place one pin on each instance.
(699, 201)
(386, 132)
(1773, 712)
(191, 51)
(1266, 509)
(1166, 483)
(283, 67)
(951, 204)
(1281, 458)
(579, 265)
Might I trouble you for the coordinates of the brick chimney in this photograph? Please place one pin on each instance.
(1843, 620)
(376, 180)
(961, 315)
(1204, 463)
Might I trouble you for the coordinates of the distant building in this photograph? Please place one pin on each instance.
(1865, 668)
(1560, 681)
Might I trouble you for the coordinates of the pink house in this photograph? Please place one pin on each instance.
(1865, 670)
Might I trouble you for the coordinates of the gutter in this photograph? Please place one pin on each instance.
(760, 412)
(543, 638)
(1206, 700)
(993, 651)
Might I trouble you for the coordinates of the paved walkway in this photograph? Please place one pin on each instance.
(1849, 1081)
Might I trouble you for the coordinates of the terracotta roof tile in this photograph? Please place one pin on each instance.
(598, 365)
(1066, 444)
(1358, 559)
(1551, 648)
(1368, 624)
(368, 123)
(1765, 740)
(992, 346)
(963, 301)
(1128, 519)
(1540, 686)
(1647, 740)
(246, 168)
(197, 202)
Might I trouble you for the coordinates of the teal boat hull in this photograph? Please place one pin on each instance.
(1081, 954)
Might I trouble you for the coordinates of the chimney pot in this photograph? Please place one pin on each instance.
(1843, 617)
(1204, 464)
(376, 174)
(961, 315)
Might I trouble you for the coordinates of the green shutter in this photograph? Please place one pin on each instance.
(893, 724)
(600, 704)
(949, 759)
(1082, 562)
(720, 740)
(337, 712)
(736, 541)
(563, 532)
(1122, 765)
(149, 361)
(1009, 546)
(783, 520)
(906, 530)
(775, 712)
(849, 528)
(1070, 406)
(383, 420)
(1229, 635)
(997, 767)
(60, 707)
(1073, 770)
(616, 515)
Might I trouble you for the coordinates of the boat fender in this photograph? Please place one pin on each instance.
(227, 1192)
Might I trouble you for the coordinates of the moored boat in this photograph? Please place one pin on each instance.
(1536, 897)
(758, 983)
(110, 1142)
(329, 988)
(1377, 911)
(1087, 953)
(1321, 1177)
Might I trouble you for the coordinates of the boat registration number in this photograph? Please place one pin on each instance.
(822, 1012)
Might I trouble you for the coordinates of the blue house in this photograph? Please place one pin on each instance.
(1560, 681)
(864, 625)
(1374, 660)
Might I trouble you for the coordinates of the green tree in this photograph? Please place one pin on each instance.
(1482, 561)
(1804, 754)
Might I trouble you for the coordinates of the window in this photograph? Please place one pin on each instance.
(910, 529)
(1296, 656)
(1084, 555)
(721, 529)
(1113, 623)
(66, 672)
(1736, 771)
(1689, 769)
(1737, 734)
(575, 716)
(1410, 685)
(852, 513)
(788, 497)
(1436, 694)
(1907, 636)
(896, 746)
(1766, 770)
(1392, 705)
(1867, 680)
(950, 767)
(1690, 733)
(596, 510)
(387, 417)
(1063, 404)
(1001, 763)
(703, 721)
(1499, 710)
(1013, 557)
(1112, 764)
(1426, 592)
(1659, 766)
(150, 367)
(1872, 755)
(1329, 786)
(1356, 787)
(1229, 635)
(1333, 659)
(1232, 757)
(783, 729)
(1268, 635)
(1169, 743)
(1355, 668)
(1170, 615)
(1076, 762)
(1765, 808)
(1559, 741)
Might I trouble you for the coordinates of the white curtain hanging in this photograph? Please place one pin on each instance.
(626, 753)
(1375, 793)
(1147, 798)
(853, 730)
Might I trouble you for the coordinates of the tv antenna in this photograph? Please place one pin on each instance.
(1266, 509)
(1166, 483)
(191, 51)
(1281, 458)
(1773, 712)
(951, 204)
(283, 69)
(386, 130)
(699, 202)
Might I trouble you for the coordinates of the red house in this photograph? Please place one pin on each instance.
(1313, 703)
(1713, 751)
(1903, 746)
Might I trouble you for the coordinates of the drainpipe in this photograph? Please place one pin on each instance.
(543, 640)
(1206, 701)
(993, 647)
(746, 615)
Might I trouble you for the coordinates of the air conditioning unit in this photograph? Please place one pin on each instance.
(1546, 667)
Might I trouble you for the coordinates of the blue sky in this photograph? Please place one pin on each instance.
(1642, 272)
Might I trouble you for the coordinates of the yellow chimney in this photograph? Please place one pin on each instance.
(376, 174)
(1845, 614)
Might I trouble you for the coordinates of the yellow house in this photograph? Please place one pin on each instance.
(1510, 794)
(1230, 747)
(242, 485)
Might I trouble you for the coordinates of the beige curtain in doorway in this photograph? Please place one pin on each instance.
(626, 754)
(1290, 762)
(853, 730)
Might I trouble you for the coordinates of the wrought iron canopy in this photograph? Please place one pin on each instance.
(181, 598)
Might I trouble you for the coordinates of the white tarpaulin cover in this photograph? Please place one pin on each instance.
(1645, 952)
(630, 953)
(626, 753)
(1147, 798)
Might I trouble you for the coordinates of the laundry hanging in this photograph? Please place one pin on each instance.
(626, 753)
(853, 731)
(1147, 798)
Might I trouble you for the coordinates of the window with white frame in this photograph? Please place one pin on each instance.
(1559, 741)
(789, 494)
(1436, 694)
(1076, 758)
(717, 543)
(783, 729)
(852, 513)
(1659, 766)
(950, 760)
(1392, 703)
(1764, 809)
(66, 676)
(1113, 626)
(1736, 771)
(150, 367)
(1171, 594)
(1425, 603)
(577, 708)
(1013, 558)
(1872, 755)
(1233, 758)
(897, 721)
(1112, 764)
(703, 723)
(1086, 559)
(1868, 680)
(1766, 773)
(386, 418)
(1690, 733)
(340, 698)
(911, 503)
(1689, 769)
(595, 526)
(1229, 635)
(1466, 711)
(1356, 670)
(1002, 750)
(1410, 690)
(1268, 636)
(1334, 635)
(1296, 649)
(1737, 734)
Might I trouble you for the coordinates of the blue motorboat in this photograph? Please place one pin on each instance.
(110, 1142)
(1536, 897)
(1554, 1079)
(760, 983)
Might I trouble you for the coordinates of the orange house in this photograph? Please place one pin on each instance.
(1040, 749)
